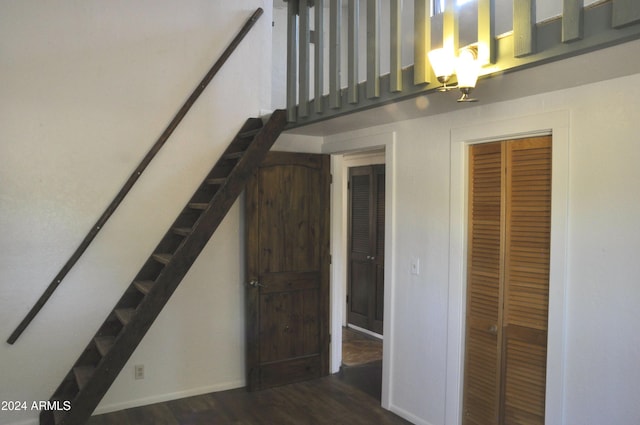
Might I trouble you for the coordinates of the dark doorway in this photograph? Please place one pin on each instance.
(365, 282)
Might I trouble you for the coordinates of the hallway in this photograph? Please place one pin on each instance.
(362, 362)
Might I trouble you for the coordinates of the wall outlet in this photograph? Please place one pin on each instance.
(139, 371)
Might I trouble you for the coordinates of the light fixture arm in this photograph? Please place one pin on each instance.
(466, 92)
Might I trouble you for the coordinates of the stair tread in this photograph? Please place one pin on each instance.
(249, 133)
(83, 374)
(63, 397)
(124, 314)
(162, 258)
(233, 155)
(182, 231)
(198, 205)
(58, 416)
(218, 180)
(144, 286)
(104, 344)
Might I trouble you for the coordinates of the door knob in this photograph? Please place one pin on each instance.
(255, 283)
(493, 329)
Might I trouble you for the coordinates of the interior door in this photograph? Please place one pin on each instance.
(287, 257)
(365, 288)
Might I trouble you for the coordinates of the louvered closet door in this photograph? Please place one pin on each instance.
(507, 282)
(366, 247)
(484, 285)
(527, 243)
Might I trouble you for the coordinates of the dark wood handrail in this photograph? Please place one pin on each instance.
(134, 177)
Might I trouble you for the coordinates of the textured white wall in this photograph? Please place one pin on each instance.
(597, 357)
(87, 87)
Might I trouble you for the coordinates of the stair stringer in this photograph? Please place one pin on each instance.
(127, 340)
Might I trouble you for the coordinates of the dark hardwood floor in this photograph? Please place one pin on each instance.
(351, 397)
(328, 400)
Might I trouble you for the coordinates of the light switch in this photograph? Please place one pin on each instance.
(415, 265)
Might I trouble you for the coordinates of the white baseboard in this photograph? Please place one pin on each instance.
(166, 397)
(151, 400)
(28, 422)
(408, 416)
(365, 331)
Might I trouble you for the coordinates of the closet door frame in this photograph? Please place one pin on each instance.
(556, 124)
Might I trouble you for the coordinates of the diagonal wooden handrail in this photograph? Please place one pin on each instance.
(134, 177)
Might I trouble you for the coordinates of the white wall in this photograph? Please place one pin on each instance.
(87, 87)
(599, 346)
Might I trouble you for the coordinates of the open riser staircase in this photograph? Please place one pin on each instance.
(117, 338)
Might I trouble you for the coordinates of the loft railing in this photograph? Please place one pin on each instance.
(527, 43)
(177, 119)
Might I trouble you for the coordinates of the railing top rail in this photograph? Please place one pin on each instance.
(473, 26)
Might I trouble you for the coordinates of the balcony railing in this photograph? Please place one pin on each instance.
(325, 81)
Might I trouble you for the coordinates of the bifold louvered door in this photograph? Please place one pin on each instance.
(507, 282)
(366, 247)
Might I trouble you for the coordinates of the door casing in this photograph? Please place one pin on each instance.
(343, 156)
(555, 123)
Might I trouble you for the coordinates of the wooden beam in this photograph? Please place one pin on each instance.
(486, 32)
(422, 41)
(304, 67)
(335, 23)
(524, 25)
(572, 20)
(395, 79)
(318, 75)
(625, 12)
(292, 56)
(373, 48)
(354, 13)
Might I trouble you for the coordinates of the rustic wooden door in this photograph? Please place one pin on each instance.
(508, 282)
(287, 295)
(365, 286)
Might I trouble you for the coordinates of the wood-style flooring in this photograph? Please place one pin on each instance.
(359, 348)
(351, 396)
(328, 400)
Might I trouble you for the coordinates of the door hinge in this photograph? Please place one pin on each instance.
(329, 338)
(330, 178)
(347, 299)
(330, 259)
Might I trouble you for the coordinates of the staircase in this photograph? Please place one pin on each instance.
(108, 351)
